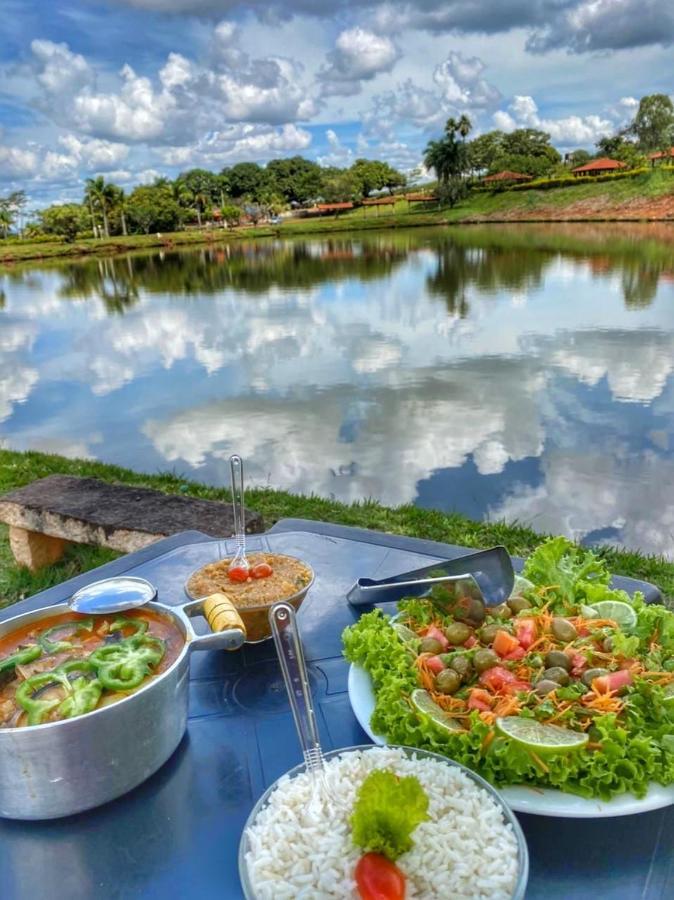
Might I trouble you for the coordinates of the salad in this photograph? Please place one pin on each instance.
(569, 685)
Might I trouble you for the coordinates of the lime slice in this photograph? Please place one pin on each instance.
(521, 585)
(588, 612)
(668, 691)
(543, 738)
(405, 634)
(621, 613)
(425, 704)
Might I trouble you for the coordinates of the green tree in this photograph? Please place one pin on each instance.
(11, 208)
(153, 208)
(246, 180)
(100, 196)
(526, 150)
(231, 215)
(296, 179)
(577, 158)
(449, 159)
(66, 220)
(6, 220)
(340, 186)
(483, 150)
(374, 175)
(653, 125)
(203, 186)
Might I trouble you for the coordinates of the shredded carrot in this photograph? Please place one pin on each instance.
(539, 762)
(488, 738)
(593, 745)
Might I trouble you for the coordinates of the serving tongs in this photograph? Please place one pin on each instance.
(486, 576)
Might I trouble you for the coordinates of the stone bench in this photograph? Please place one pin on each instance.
(47, 515)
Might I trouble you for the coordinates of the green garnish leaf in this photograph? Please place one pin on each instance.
(386, 812)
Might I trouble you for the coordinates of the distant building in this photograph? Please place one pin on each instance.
(662, 156)
(506, 177)
(599, 166)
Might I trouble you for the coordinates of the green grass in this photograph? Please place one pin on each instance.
(18, 469)
(531, 205)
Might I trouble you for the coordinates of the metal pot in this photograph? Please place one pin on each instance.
(60, 768)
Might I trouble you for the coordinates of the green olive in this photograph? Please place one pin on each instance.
(591, 674)
(457, 633)
(462, 666)
(556, 673)
(502, 611)
(518, 604)
(545, 686)
(557, 658)
(487, 633)
(563, 630)
(430, 645)
(447, 681)
(608, 645)
(475, 613)
(484, 659)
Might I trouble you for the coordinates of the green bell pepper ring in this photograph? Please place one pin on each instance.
(79, 695)
(49, 646)
(19, 657)
(123, 666)
(139, 625)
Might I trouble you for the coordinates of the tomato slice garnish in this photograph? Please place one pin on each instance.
(435, 664)
(262, 570)
(238, 573)
(378, 878)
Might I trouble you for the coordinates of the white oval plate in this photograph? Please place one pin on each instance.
(537, 801)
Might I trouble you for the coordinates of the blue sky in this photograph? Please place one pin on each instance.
(137, 88)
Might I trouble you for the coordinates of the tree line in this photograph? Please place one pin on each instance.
(255, 191)
(529, 151)
(197, 195)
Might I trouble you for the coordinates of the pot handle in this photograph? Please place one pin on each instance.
(228, 631)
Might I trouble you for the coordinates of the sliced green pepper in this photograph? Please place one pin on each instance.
(80, 695)
(50, 646)
(123, 666)
(139, 625)
(19, 657)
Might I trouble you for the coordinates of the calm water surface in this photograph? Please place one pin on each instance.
(510, 373)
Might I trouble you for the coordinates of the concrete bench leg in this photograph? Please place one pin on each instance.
(35, 550)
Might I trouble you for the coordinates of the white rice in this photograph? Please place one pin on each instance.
(466, 849)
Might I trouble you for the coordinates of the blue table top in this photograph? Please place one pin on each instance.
(178, 833)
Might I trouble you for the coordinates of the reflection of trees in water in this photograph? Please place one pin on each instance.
(488, 270)
(485, 257)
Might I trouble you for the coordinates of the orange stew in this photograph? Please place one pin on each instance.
(67, 665)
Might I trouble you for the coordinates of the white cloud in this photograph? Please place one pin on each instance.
(461, 84)
(17, 163)
(359, 55)
(568, 131)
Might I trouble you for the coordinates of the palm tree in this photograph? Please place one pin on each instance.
(6, 220)
(100, 194)
(464, 126)
(118, 204)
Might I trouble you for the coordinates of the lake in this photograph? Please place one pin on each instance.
(508, 372)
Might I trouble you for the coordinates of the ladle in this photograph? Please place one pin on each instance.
(112, 595)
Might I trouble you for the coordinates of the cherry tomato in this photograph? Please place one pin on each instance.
(470, 643)
(379, 879)
(435, 664)
(262, 570)
(237, 573)
(516, 686)
(516, 654)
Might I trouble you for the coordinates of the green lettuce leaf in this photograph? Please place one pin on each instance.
(386, 812)
(565, 571)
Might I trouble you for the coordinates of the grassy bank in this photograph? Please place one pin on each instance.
(17, 469)
(648, 197)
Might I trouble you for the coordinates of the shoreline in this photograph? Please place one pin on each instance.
(18, 468)
(117, 246)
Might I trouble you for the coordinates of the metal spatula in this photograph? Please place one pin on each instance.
(486, 576)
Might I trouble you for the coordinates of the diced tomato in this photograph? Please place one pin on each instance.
(472, 640)
(504, 643)
(611, 682)
(238, 573)
(439, 636)
(496, 678)
(515, 686)
(379, 879)
(435, 664)
(525, 631)
(479, 699)
(262, 570)
(578, 664)
(517, 653)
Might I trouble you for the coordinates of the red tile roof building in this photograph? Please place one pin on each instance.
(597, 166)
(506, 176)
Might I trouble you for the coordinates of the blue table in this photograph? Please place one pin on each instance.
(177, 834)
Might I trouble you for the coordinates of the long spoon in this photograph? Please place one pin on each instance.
(239, 564)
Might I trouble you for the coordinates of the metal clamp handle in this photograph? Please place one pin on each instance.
(236, 470)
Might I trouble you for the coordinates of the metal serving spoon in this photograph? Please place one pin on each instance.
(286, 635)
(112, 595)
